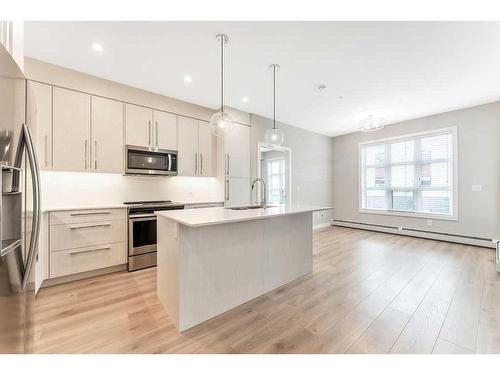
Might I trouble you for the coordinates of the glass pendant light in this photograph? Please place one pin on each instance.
(274, 137)
(221, 122)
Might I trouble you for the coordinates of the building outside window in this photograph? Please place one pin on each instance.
(412, 175)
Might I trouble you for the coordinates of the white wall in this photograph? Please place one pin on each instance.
(312, 164)
(478, 164)
(71, 189)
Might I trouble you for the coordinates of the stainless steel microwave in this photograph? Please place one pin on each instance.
(149, 161)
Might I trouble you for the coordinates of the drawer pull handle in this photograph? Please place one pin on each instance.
(90, 226)
(90, 213)
(90, 251)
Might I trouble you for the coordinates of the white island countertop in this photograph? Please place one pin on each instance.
(221, 215)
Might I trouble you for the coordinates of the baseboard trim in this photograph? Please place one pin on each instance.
(322, 225)
(447, 237)
(82, 275)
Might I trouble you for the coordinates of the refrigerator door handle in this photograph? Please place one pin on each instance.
(25, 141)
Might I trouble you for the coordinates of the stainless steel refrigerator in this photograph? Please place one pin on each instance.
(19, 212)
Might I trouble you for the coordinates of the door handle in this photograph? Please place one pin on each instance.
(25, 141)
(89, 226)
(46, 162)
(156, 123)
(90, 250)
(90, 213)
(227, 157)
(150, 131)
(95, 153)
(227, 190)
(86, 146)
(201, 164)
(195, 163)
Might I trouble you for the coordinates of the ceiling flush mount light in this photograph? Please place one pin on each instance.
(188, 79)
(97, 47)
(371, 124)
(274, 137)
(221, 122)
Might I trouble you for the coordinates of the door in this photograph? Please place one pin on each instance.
(237, 151)
(207, 150)
(107, 135)
(39, 117)
(71, 130)
(139, 125)
(165, 130)
(237, 191)
(187, 160)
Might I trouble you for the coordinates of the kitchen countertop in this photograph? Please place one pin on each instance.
(111, 206)
(221, 215)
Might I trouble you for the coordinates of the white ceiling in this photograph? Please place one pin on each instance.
(394, 70)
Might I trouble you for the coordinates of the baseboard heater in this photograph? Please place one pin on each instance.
(442, 236)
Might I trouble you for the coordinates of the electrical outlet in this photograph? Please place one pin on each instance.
(429, 223)
(477, 187)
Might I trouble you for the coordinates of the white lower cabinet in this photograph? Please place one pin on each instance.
(73, 261)
(86, 240)
(237, 191)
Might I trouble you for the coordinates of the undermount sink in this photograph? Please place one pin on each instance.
(250, 207)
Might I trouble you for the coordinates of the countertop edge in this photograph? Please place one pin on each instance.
(236, 220)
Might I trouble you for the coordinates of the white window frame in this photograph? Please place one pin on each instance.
(423, 215)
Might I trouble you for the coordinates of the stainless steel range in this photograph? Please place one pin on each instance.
(142, 231)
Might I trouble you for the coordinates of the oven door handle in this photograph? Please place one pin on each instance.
(142, 217)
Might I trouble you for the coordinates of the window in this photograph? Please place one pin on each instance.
(412, 175)
(276, 180)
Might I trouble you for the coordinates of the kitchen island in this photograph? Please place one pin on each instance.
(211, 260)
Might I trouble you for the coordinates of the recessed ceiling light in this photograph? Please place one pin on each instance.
(188, 79)
(244, 99)
(97, 47)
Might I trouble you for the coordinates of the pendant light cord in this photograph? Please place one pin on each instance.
(222, 73)
(274, 97)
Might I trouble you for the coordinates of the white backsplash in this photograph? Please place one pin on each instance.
(71, 189)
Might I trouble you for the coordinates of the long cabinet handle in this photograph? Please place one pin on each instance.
(195, 163)
(150, 131)
(201, 164)
(227, 190)
(90, 250)
(46, 140)
(95, 153)
(156, 124)
(89, 226)
(227, 164)
(86, 146)
(90, 213)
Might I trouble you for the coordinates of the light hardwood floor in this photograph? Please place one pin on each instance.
(369, 293)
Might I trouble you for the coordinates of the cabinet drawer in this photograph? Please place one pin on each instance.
(72, 236)
(85, 216)
(73, 261)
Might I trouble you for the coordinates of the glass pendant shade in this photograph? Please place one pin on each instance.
(221, 122)
(274, 137)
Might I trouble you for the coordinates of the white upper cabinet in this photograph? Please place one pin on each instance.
(187, 159)
(207, 150)
(107, 135)
(71, 127)
(237, 151)
(165, 130)
(39, 118)
(139, 126)
(12, 38)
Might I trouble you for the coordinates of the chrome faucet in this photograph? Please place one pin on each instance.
(263, 193)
